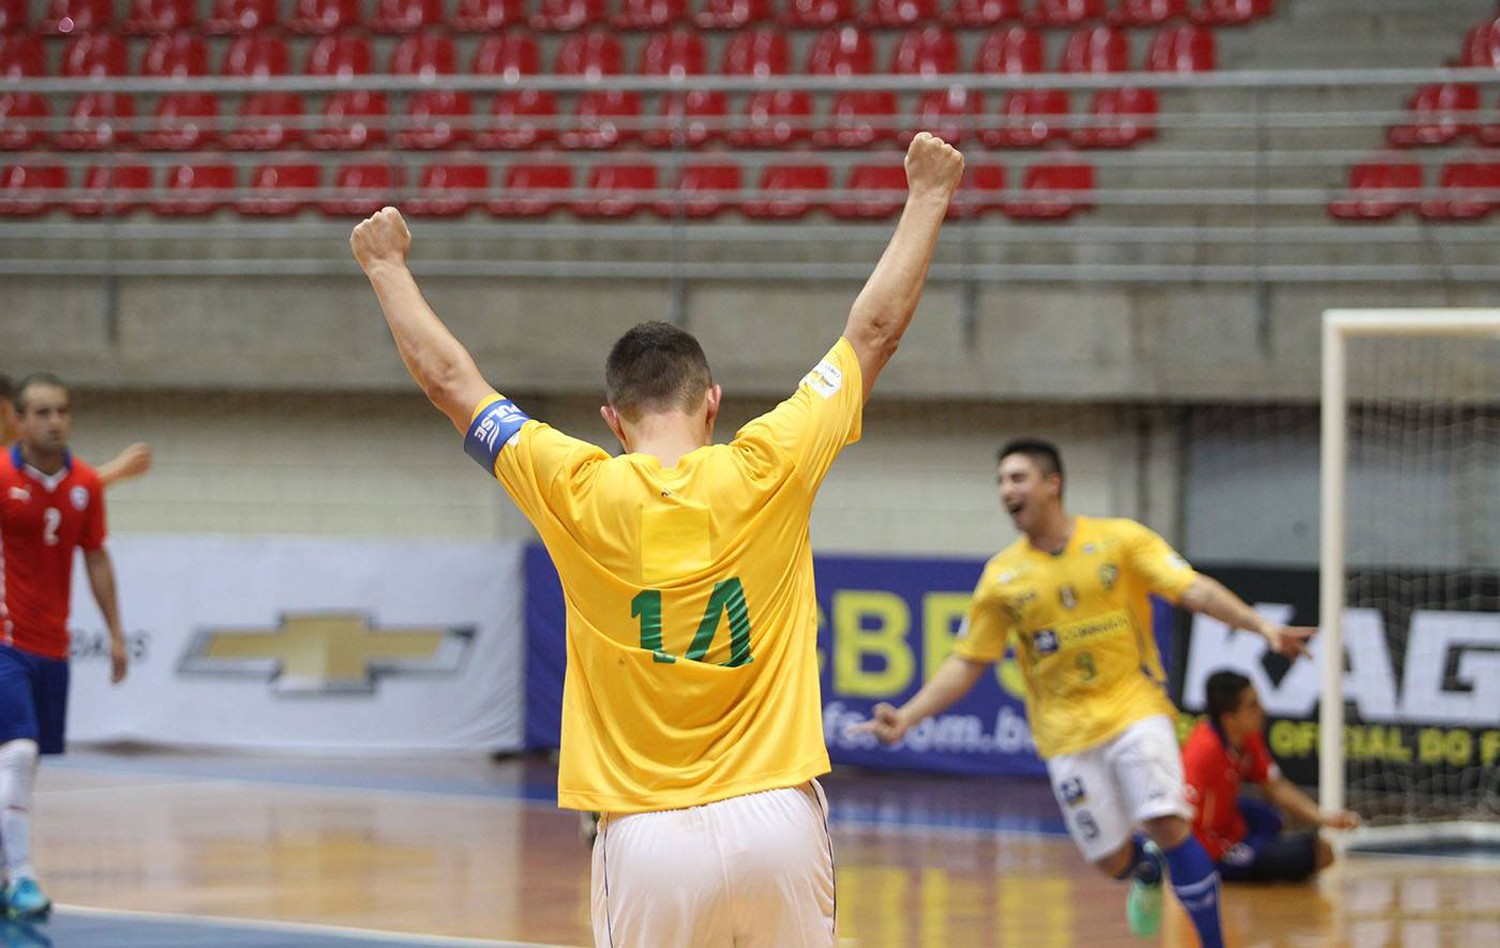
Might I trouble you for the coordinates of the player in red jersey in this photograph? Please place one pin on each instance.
(130, 463)
(1243, 834)
(50, 504)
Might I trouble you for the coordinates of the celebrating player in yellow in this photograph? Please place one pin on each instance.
(691, 709)
(1074, 591)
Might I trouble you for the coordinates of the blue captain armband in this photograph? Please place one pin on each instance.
(495, 426)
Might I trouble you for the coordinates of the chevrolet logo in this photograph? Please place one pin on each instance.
(326, 653)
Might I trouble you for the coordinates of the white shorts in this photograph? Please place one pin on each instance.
(1108, 789)
(751, 870)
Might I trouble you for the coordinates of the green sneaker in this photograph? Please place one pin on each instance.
(24, 901)
(1143, 907)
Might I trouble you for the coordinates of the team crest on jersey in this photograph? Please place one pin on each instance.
(1109, 574)
(1073, 793)
(80, 498)
(1045, 642)
(1068, 595)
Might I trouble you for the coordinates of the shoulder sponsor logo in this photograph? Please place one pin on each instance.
(1175, 561)
(825, 379)
(80, 498)
(21, 494)
(330, 653)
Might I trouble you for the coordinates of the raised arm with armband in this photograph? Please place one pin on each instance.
(434, 357)
(885, 306)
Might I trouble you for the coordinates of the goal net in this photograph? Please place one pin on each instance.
(1409, 727)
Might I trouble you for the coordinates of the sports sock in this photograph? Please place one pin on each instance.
(1195, 879)
(17, 781)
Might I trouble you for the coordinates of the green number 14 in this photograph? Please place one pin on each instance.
(728, 597)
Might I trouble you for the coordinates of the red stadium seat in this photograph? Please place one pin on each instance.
(879, 191)
(406, 16)
(817, 14)
(982, 191)
(149, 17)
(241, 16)
(562, 16)
(1054, 191)
(606, 118)
(1056, 13)
(860, 119)
(788, 192)
(679, 52)
(1183, 49)
(324, 16)
(621, 190)
(533, 190)
(268, 121)
(341, 55)
(193, 190)
(360, 190)
(436, 119)
(1096, 50)
(352, 119)
(1147, 12)
(1013, 52)
(281, 190)
(520, 119)
(488, 16)
(774, 119)
(732, 14)
(703, 191)
(590, 55)
(896, 14)
(183, 121)
(13, 17)
(974, 14)
(649, 14)
(1440, 114)
(929, 51)
(31, 190)
(506, 54)
(99, 121)
(95, 56)
(1232, 12)
(1472, 191)
(688, 119)
(1481, 47)
(1029, 118)
(258, 56)
(1378, 191)
(23, 120)
(842, 51)
(759, 53)
(451, 190)
(77, 16)
(112, 190)
(22, 56)
(1119, 118)
(178, 56)
(951, 114)
(428, 55)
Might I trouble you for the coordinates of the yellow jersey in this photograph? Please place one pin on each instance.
(691, 620)
(1082, 622)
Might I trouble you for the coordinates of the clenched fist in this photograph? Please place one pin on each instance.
(381, 239)
(933, 166)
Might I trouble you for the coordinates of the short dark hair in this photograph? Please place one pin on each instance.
(32, 381)
(655, 367)
(1043, 453)
(1222, 693)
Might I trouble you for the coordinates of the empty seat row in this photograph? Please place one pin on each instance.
(1444, 113)
(405, 16)
(754, 53)
(1381, 190)
(1049, 191)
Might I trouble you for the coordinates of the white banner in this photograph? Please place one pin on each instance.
(291, 643)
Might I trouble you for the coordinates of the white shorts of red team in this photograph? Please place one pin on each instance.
(1109, 789)
(753, 870)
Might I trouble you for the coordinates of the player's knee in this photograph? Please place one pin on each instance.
(1324, 855)
(19, 755)
(1168, 832)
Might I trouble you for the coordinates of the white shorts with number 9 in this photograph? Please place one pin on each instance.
(753, 870)
(1105, 791)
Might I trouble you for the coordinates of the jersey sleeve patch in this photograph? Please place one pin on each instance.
(826, 379)
(491, 430)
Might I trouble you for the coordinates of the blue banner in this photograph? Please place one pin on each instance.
(884, 625)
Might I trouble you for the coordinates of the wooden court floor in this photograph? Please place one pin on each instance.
(475, 849)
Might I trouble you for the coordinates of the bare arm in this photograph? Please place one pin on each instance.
(438, 361)
(954, 679)
(885, 306)
(102, 581)
(1291, 800)
(1210, 597)
(127, 465)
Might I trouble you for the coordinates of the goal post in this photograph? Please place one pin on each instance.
(1447, 419)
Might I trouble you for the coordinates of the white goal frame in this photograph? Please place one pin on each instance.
(1340, 325)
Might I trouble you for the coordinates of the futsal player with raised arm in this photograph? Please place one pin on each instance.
(1074, 592)
(691, 708)
(129, 464)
